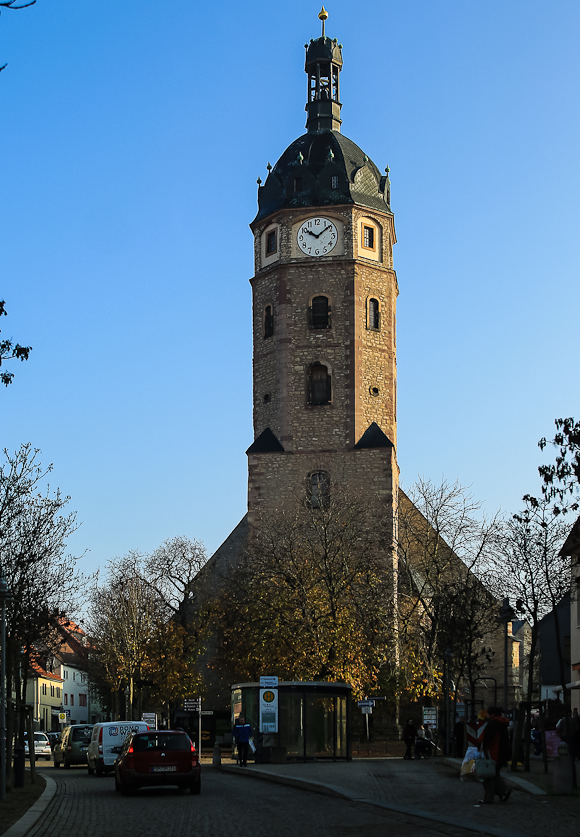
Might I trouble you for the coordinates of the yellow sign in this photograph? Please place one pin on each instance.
(268, 696)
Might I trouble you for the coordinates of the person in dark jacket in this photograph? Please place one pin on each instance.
(496, 746)
(409, 735)
(242, 733)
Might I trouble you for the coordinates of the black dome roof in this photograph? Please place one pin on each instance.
(303, 176)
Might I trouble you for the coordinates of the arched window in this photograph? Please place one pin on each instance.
(373, 319)
(319, 489)
(268, 321)
(319, 384)
(320, 312)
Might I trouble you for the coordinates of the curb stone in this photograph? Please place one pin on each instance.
(27, 820)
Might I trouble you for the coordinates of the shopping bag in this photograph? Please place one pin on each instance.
(252, 745)
(468, 767)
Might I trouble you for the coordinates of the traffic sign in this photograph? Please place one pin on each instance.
(363, 703)
(268, 682)
(192, 705)
(366, 710)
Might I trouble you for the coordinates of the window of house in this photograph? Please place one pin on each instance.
(320, 312)
(44, 688)
(72, 700)
(66, 675)
(373, 314)
(65, 699)
(58, 691)
(268, 321)
(368, 237)
(52, 690)
(82, 700)
(319, 489)
(271, 242)
(334, 181)
(297, 184)
(74, 675)
(319, 385)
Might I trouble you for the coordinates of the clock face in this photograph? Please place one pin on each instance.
(317, 236)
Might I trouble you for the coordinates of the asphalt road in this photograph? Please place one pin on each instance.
(87, 806)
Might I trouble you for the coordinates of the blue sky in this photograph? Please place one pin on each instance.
(133, 134)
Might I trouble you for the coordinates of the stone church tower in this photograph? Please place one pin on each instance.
(324, 301)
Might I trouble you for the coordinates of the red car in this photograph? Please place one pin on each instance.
(158, 757)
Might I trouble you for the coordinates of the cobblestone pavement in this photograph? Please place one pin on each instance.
(228, 804)
(433, 787)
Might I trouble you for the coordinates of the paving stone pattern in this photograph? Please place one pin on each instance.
(433, 787)
(228, 804)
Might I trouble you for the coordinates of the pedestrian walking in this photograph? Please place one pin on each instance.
(242, 732)
(409, 736)
(496, 746)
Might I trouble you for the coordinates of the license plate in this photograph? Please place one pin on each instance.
(169, 768)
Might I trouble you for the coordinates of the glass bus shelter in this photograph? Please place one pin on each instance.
(314, 720)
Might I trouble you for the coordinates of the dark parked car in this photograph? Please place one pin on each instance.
(158, 757)
(53, 738)
(71, 748)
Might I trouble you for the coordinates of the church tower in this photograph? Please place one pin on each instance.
(324, 301)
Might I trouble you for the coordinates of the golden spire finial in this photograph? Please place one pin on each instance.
(323, 15)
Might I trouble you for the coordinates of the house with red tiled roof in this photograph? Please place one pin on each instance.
(44, 691)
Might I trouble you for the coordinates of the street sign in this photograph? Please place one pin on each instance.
(268, 682)
(192, 704)
(366, 710)
(150, 719)
(61, 716)
(363, 703)
(207, 711)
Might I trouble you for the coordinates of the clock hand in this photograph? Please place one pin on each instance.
(323, 231)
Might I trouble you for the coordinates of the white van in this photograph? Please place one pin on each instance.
(106, 742)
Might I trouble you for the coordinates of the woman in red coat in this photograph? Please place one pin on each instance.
(496, 745)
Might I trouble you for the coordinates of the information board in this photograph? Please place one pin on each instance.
(268, 710)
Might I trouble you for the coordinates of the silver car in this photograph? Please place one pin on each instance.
(41, 746)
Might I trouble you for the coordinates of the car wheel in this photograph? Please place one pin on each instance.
(195, 787)
(99, 772)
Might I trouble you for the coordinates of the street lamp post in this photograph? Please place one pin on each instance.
(5, 596)
(506, 615)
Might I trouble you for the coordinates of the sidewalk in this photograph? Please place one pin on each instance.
(432, 789)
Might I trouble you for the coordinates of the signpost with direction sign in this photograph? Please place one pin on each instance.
(366, 707)
(194, 705)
